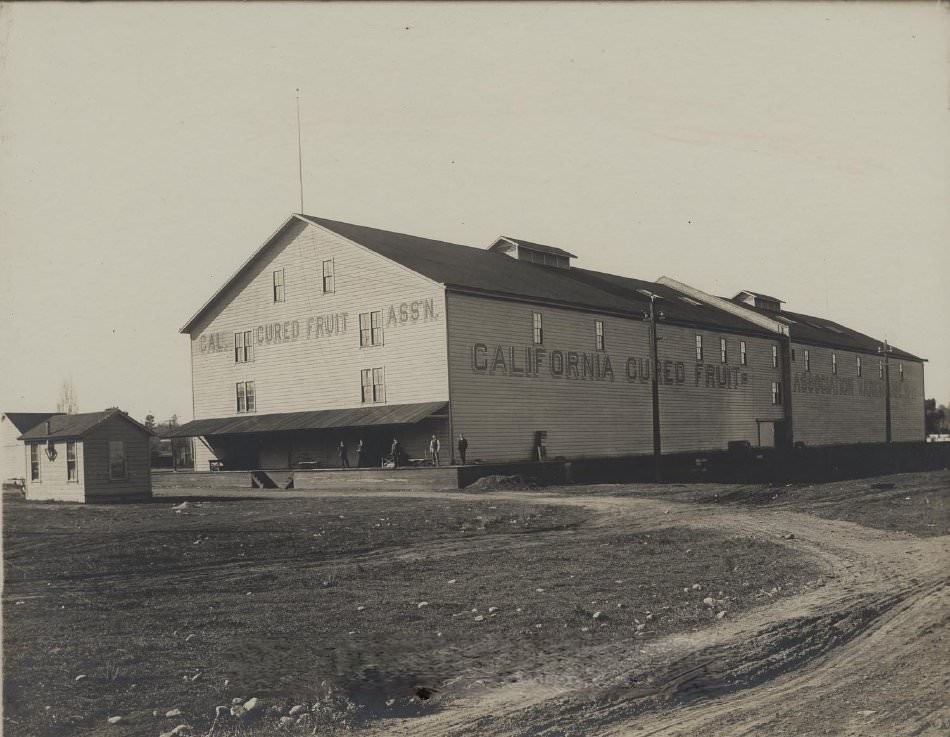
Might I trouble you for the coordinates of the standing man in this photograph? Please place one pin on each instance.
(360, 454)
(462, 446)
(396, 450)
(344, 461)
(434, 447)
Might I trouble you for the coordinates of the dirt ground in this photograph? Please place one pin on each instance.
(720, 610)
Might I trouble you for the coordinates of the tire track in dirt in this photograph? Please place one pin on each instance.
(885, 603)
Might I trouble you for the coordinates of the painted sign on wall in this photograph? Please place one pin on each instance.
(509, 360)
(328, 325)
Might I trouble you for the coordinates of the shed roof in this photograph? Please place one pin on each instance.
(324, 419)
(554, 250)
(67, 427)
(23, 421)
(738, 297)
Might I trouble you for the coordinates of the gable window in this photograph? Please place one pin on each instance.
(372, 386)
(900, 370)
(834, 364)
(243, 347)
(371, 328)
(743, 359)
(699, 347)
(775, 356)
(71, 470)
(34, 462)
(880, 369)
(599, 335)
(858, 364)
(245, 396)
(279, 285)
(117, 465)
(776, 393)
(807, 360)
(328, 286)
(723, 356)
(537, 330)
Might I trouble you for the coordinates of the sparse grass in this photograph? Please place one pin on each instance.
(316, 601)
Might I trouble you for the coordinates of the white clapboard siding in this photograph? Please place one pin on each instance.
(845, 409)
(499, 412)
(11, 451)
(320, 371)
(53, 484)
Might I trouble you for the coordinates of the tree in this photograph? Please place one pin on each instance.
(68, 400)
(150, 421)
(937, 418)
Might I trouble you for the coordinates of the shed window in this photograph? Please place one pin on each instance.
(834, 364)
(775, 356)
(807, 360)
(371, 328)
(117, 465)
(723, 355)
(699, 347)
(243, 347)
(599, 335)
(71, 469)
(245, 396)
(743, 359)
(537, 329)
(776, 393)
(858, 364)
(372, 386)
(328, 280)
(34, 462)
(279, 285)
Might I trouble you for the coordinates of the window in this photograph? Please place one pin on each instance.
(328, 285)
(900, 370)
(371, 328)
(793, 355)
(243, 347)
(34, 462)
(599, 335)
(699, 347)
(858, 364)
(880, 369)
(834, 363)
(279, 285)
(742, 355)
(723, 356)
(71, 470)
(776, 393)
(538, 331)
(807, 361)
(246, 396)
(775, 356)
(117, 467)
(372, 386)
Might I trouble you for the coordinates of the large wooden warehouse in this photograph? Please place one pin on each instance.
(335, 332)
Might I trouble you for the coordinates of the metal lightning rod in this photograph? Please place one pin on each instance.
(299, 152)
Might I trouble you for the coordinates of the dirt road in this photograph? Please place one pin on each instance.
(864, 654)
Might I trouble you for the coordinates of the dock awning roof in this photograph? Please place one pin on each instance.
(324, 419)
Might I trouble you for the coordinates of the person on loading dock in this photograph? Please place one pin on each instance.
(360, 454)
(434, 447)
(462, 446)
(344, 461)
(396, 450)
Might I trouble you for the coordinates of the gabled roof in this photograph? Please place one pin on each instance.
(68, 427)
(23, 421)
(823, 332)
(533, 246)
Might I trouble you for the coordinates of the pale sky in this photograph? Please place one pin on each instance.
(147, 150)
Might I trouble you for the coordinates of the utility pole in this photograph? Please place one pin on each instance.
(655, 385)
(886, 349)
